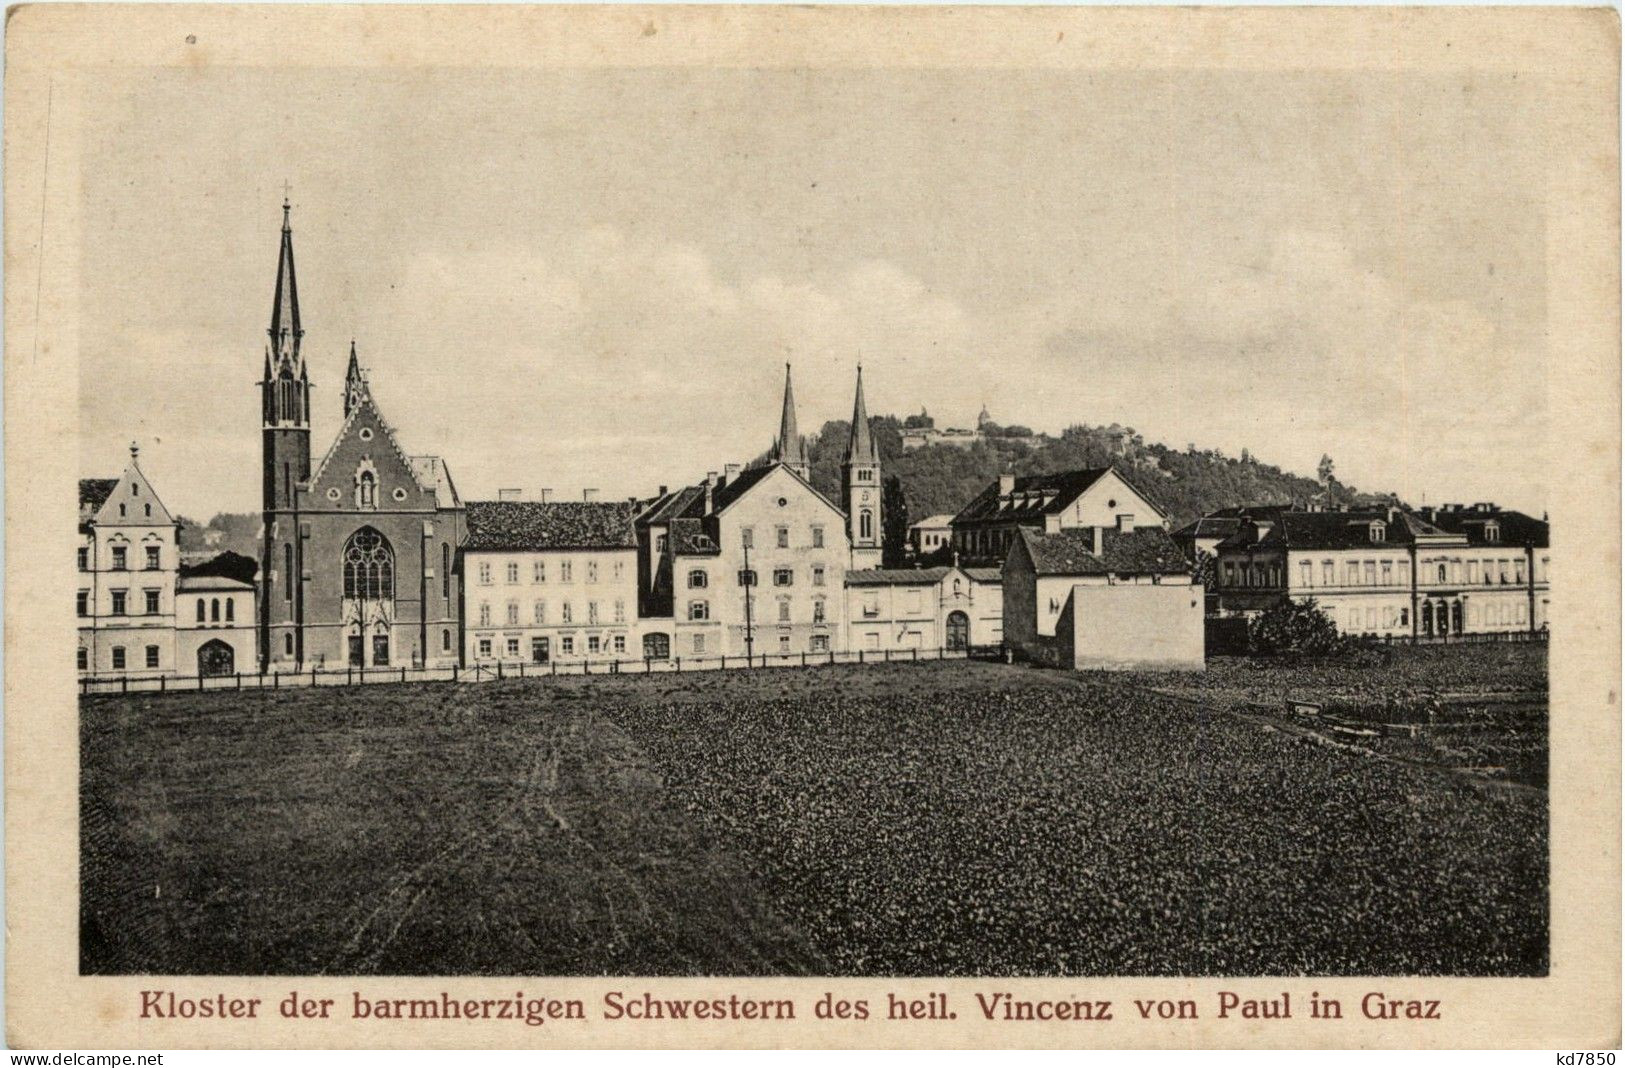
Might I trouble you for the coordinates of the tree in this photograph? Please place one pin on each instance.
(1326, 470)
(894, 547)
(1299, 627)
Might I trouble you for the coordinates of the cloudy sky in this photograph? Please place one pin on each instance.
(594, 278)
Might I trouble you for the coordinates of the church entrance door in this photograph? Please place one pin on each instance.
(958, 631)
(356, 657)
(380, 650)
(215, 658)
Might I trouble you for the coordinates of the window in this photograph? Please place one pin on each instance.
(1387, 572)
(445, 571)
(871, 606)
(1370, 573)
(782, 536)
(783, 576)
(1517, 571)
(660, 544)
(567, 644)
(592, 570)
(1379, 532)
(747, 577)
(445, 641)
(121, 511)
(118, 557)
(513, 646)
(539, 612)
(1404, 572)
(287, 572)
(592, 643)
(152, 656)
(1351, 575)
(818, 537)
(747, 537)
(150, 601)
(699, 610)
(152, 558)
(84, 559)
(118, 602)
(513, 613)
(146, 509)
(485, 573)
(618, 570)
(1327, 577)
(84, 659)
(1306, 574)
(118, 658)
(538, 571)
(369, 567)
(1404, 617)
(784, 644)
(1489, 572)
(200, 610)
(566, 612)
(1492, 531)
(818, 574)
(592, 611)
(818, 610)
(485, 648)
(696, 579)
(699, 643)
(513, 574)
(620, 611)
(866, 524)
(620, 643)
(287, 644)
(565, 571)
(81, 603)
(820, 643)
(485, 614)
(784, 609)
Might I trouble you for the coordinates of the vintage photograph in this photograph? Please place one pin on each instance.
(813, 520)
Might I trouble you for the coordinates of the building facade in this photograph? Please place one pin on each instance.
(550, 582)
(1393, 573)
(359, 551)
(985, 530)
(129, 559)
(931, 535)
(939, 608)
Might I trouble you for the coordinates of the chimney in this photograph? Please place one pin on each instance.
(662, 492)
(1007, 485)
(589, 495)
(1052, 523)
(544, 494)
(730, 472)
(710, 488)
(1097, 539)
(510, 495)
(1125, 522)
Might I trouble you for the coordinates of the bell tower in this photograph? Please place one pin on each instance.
(861, 488)
(284, 459)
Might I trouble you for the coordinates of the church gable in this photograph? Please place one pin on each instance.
(133, 502)
(365, 470)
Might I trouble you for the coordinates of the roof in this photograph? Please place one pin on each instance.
(663, 508)
(529, 526)
(942, 519)
(731, 490)
(1516, 528)
(1223, 522)
(1035, 496)
(689, 538)
(93, 492)
(984, 574)
(897, 576)
(226, 565)
(1330, 530)
(195, 584)
(431, 471)
(1141, 551)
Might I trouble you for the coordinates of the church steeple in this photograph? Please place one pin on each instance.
(285, 331)
(861, 486)
(789, 449)
(355, 384)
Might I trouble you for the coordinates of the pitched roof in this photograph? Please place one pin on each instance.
(432, 471)
(689, 538)
(860, 445)
(897, 576)
(662, 509)
(93, 492)
(984, 574)
(1223, 522)
(196, 583)
(1330, 530)
(733, 489)
(1141, 551)
(1034, 496)
(1516, 528)
(527, 526)
(941, 519)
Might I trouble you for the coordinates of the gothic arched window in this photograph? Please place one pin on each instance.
(866, 524)
(369, 567)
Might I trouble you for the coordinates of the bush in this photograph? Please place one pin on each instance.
(1298, 627)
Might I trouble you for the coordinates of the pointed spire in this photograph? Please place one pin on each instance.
(860, 447)
(355, 383)
(285, 329)
(789, 449)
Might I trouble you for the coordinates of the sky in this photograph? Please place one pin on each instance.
(585, 278)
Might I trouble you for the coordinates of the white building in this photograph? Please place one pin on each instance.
(939, 608)
(129, 556)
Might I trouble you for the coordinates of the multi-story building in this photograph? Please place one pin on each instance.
(129, 555)
(1392, 573)
(359, 551)
(985, 530)
(554, 581)
(216, 623)
(754, 561)
(931, 535)
(1148, 611)
(946, 608)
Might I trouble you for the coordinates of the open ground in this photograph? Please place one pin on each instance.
(956, 818)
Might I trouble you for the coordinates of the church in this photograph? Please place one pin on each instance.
(359, 548)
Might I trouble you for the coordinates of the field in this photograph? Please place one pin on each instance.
(946, 818)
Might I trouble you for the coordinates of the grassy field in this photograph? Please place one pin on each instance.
(948, 818)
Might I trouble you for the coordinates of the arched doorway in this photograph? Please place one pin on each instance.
(657, 647)
(368, 562)
(215, 657)
(958, 632)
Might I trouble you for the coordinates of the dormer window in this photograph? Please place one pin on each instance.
(1492, 531)
(1379, 531)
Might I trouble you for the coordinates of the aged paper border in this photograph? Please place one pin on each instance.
(50, 49)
